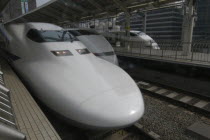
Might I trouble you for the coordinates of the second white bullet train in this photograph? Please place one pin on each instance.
(144, 40)
(85, 90)
(96, 43)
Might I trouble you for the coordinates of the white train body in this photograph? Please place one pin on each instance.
(135, 36)
(87, 91)
(96, 43)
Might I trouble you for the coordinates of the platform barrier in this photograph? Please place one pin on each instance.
(20, 116)
(8, 127)
(170, 51)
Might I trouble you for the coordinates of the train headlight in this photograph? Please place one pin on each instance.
(62, 53)
(83, 51)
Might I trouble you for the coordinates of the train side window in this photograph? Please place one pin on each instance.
(34, 35)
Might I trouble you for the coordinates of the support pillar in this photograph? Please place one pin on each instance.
(127, 30)
(145, 22)
(188, 26)
(127, 25)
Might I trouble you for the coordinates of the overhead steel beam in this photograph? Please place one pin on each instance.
(130, 5)
(3, 4)
(95, 4)
(73, 5)
(121, 6)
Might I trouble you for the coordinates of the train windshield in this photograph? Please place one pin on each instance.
(141, 33)
(83, 32)
(50, 36)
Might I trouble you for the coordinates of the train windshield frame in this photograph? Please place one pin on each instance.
(42, 36)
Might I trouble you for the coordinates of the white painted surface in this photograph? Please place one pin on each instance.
(83, 88)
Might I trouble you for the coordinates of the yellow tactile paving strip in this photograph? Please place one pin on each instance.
(29, 117)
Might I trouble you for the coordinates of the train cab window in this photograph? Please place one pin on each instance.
(57, 36)
(88, 32)
(133, 34)
(51, 36)
(34, 35)
(83, 32)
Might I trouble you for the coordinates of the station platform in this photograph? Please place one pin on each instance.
(29, 118)
(196, 59)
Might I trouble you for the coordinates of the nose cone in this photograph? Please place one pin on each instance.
(114, 109)
(155, 46)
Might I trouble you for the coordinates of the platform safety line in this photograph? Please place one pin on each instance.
(200, 104)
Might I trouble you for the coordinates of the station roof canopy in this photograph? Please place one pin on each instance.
(61, 11)
(3, 3)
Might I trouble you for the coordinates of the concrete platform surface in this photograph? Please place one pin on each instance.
(30, 119)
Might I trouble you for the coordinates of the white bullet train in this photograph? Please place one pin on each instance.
(135, 36)
(96, 43)
(87, 91)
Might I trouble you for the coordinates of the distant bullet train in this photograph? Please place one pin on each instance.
(96, 43)
(135, 36)
(87, 91)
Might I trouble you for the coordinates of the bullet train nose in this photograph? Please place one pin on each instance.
(115, 108)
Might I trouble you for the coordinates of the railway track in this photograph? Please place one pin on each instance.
(177, 96)
(134, 132)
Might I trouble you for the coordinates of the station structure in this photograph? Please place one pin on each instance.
(21, 117)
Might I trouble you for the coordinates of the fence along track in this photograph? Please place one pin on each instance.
(200, 51)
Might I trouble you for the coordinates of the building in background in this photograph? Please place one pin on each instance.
(161, 24)
(14, 8)
(202, 27)
(166, 23)
(41, 2)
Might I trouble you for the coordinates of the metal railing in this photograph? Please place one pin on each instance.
(200, 51)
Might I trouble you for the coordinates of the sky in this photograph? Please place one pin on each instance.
(41, 2)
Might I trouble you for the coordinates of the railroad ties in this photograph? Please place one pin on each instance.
(169, 109)
(185, 99)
